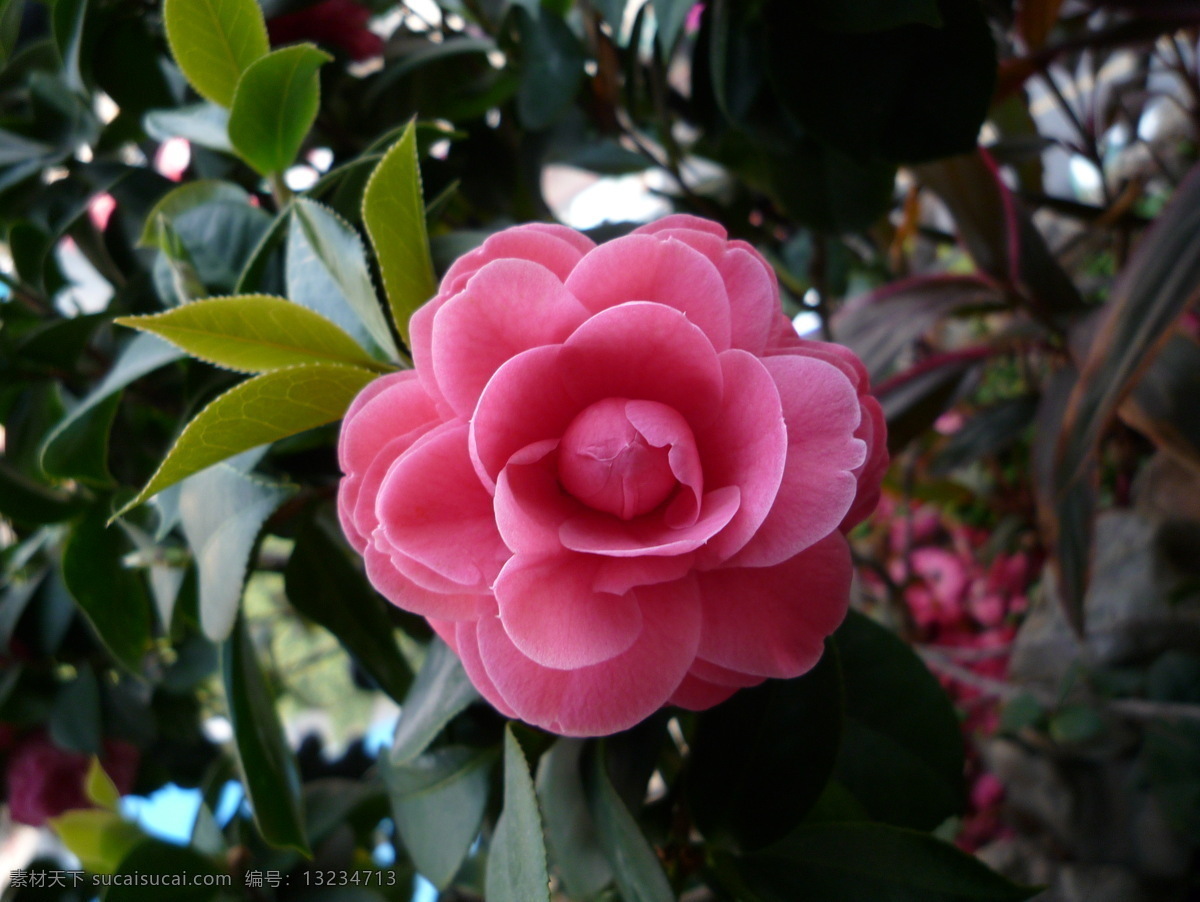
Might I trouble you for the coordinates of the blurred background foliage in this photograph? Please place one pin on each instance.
(996, 204)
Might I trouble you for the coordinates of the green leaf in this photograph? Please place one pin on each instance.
(394, 214)
(874, 15)
(214, 42)
(551, 68)
(261, 266)
(516, 868)
(1075, 724)
(165, 576)
(100, 788)
(902, 750)
(327, 271)
(761, 759)
(671, 16)
(268, 768)
(75, 718)
(904, 94)
(440, 692)
(324, 586)
(111, 596)
(828, 189)
(855, 861)
(29, 502)
(638, 873)
(438, 800)
(10, 27)
(571, 838)
(66, 18)
(253, 333)
(186, 197)
(77, 446)
(205, 124)
(275, 105)
(222, 512)
(199, 877)
(99, 839)
(260, 410)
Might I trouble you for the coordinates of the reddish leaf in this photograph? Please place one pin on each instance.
(999, 235)
(1162, 406)
(1035, 19)
(914, 399)
(1159, 283)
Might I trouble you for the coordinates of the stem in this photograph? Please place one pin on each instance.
(279, 190)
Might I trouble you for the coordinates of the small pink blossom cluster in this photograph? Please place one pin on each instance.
(970, 607)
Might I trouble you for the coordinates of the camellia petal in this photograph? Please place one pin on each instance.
(645, 352)
(666, 272)
(403, 592)
(507, 307)
(554, 615)
(746, 446)
(610, 696)
(821, 410)
(796, 604)
(433, 509)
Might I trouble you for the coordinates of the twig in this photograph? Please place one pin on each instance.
(1132, 708)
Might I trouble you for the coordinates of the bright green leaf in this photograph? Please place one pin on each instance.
(438, 800)
(516, 868)
(260, 410)
(324, 586)
(214, 41)
(111, 596)
(327, 271)
(99, 839)
(394, 214)
(638, 872)
(268, 767)
(253, 333)
(100, 788)
(275, 105)
(222, 511)
(441, 691)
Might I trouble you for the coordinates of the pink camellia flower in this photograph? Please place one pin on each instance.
(45, 780)
(617, 478)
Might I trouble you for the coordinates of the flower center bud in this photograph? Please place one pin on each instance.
(605, 462)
